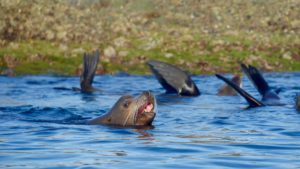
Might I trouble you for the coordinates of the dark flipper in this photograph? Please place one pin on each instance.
(297, 105)
(173, 79)
(256, 78)
(251, 100)
(159, 72)
(90, 62)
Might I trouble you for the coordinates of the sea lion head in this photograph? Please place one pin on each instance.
(227, 90)
(136, 111)
(132, 111)
(237, 80)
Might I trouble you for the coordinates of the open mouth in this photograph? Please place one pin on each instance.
(146, 108)
(147, 104)
(146, 111)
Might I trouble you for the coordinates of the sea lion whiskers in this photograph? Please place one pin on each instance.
(136, 112)
(126, 120)
(136, 108)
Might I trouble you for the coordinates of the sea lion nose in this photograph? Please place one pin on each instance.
(146, 95)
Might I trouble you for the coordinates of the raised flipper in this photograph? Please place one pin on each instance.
(256, 78)
(297, 105)
(251, 100)
(268, 95)
(173, 79)
(90, 62)
(227, 90)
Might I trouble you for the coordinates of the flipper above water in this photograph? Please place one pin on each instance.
(90, 62)
(256, 78)
(173, 79)
(227, 90)
(297, 105)
(260, 83)
(250, 99)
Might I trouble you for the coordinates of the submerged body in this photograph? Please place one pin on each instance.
(130, 111)
(227, 90)
(173, 79)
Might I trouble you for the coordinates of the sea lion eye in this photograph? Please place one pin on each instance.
(126, 104)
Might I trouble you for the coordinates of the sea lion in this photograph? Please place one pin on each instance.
(130, 111)
(227, 90)
(269, 96)
(173, 79)
(250, 99)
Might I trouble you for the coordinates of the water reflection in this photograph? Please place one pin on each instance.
(143, 134)
(88, 97)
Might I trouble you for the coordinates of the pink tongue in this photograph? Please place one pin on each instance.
(149, 107)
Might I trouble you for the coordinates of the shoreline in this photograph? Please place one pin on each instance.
(202, 37)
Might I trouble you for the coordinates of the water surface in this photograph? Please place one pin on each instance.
(41, 127)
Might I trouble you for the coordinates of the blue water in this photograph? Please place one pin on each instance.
(41, 127)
